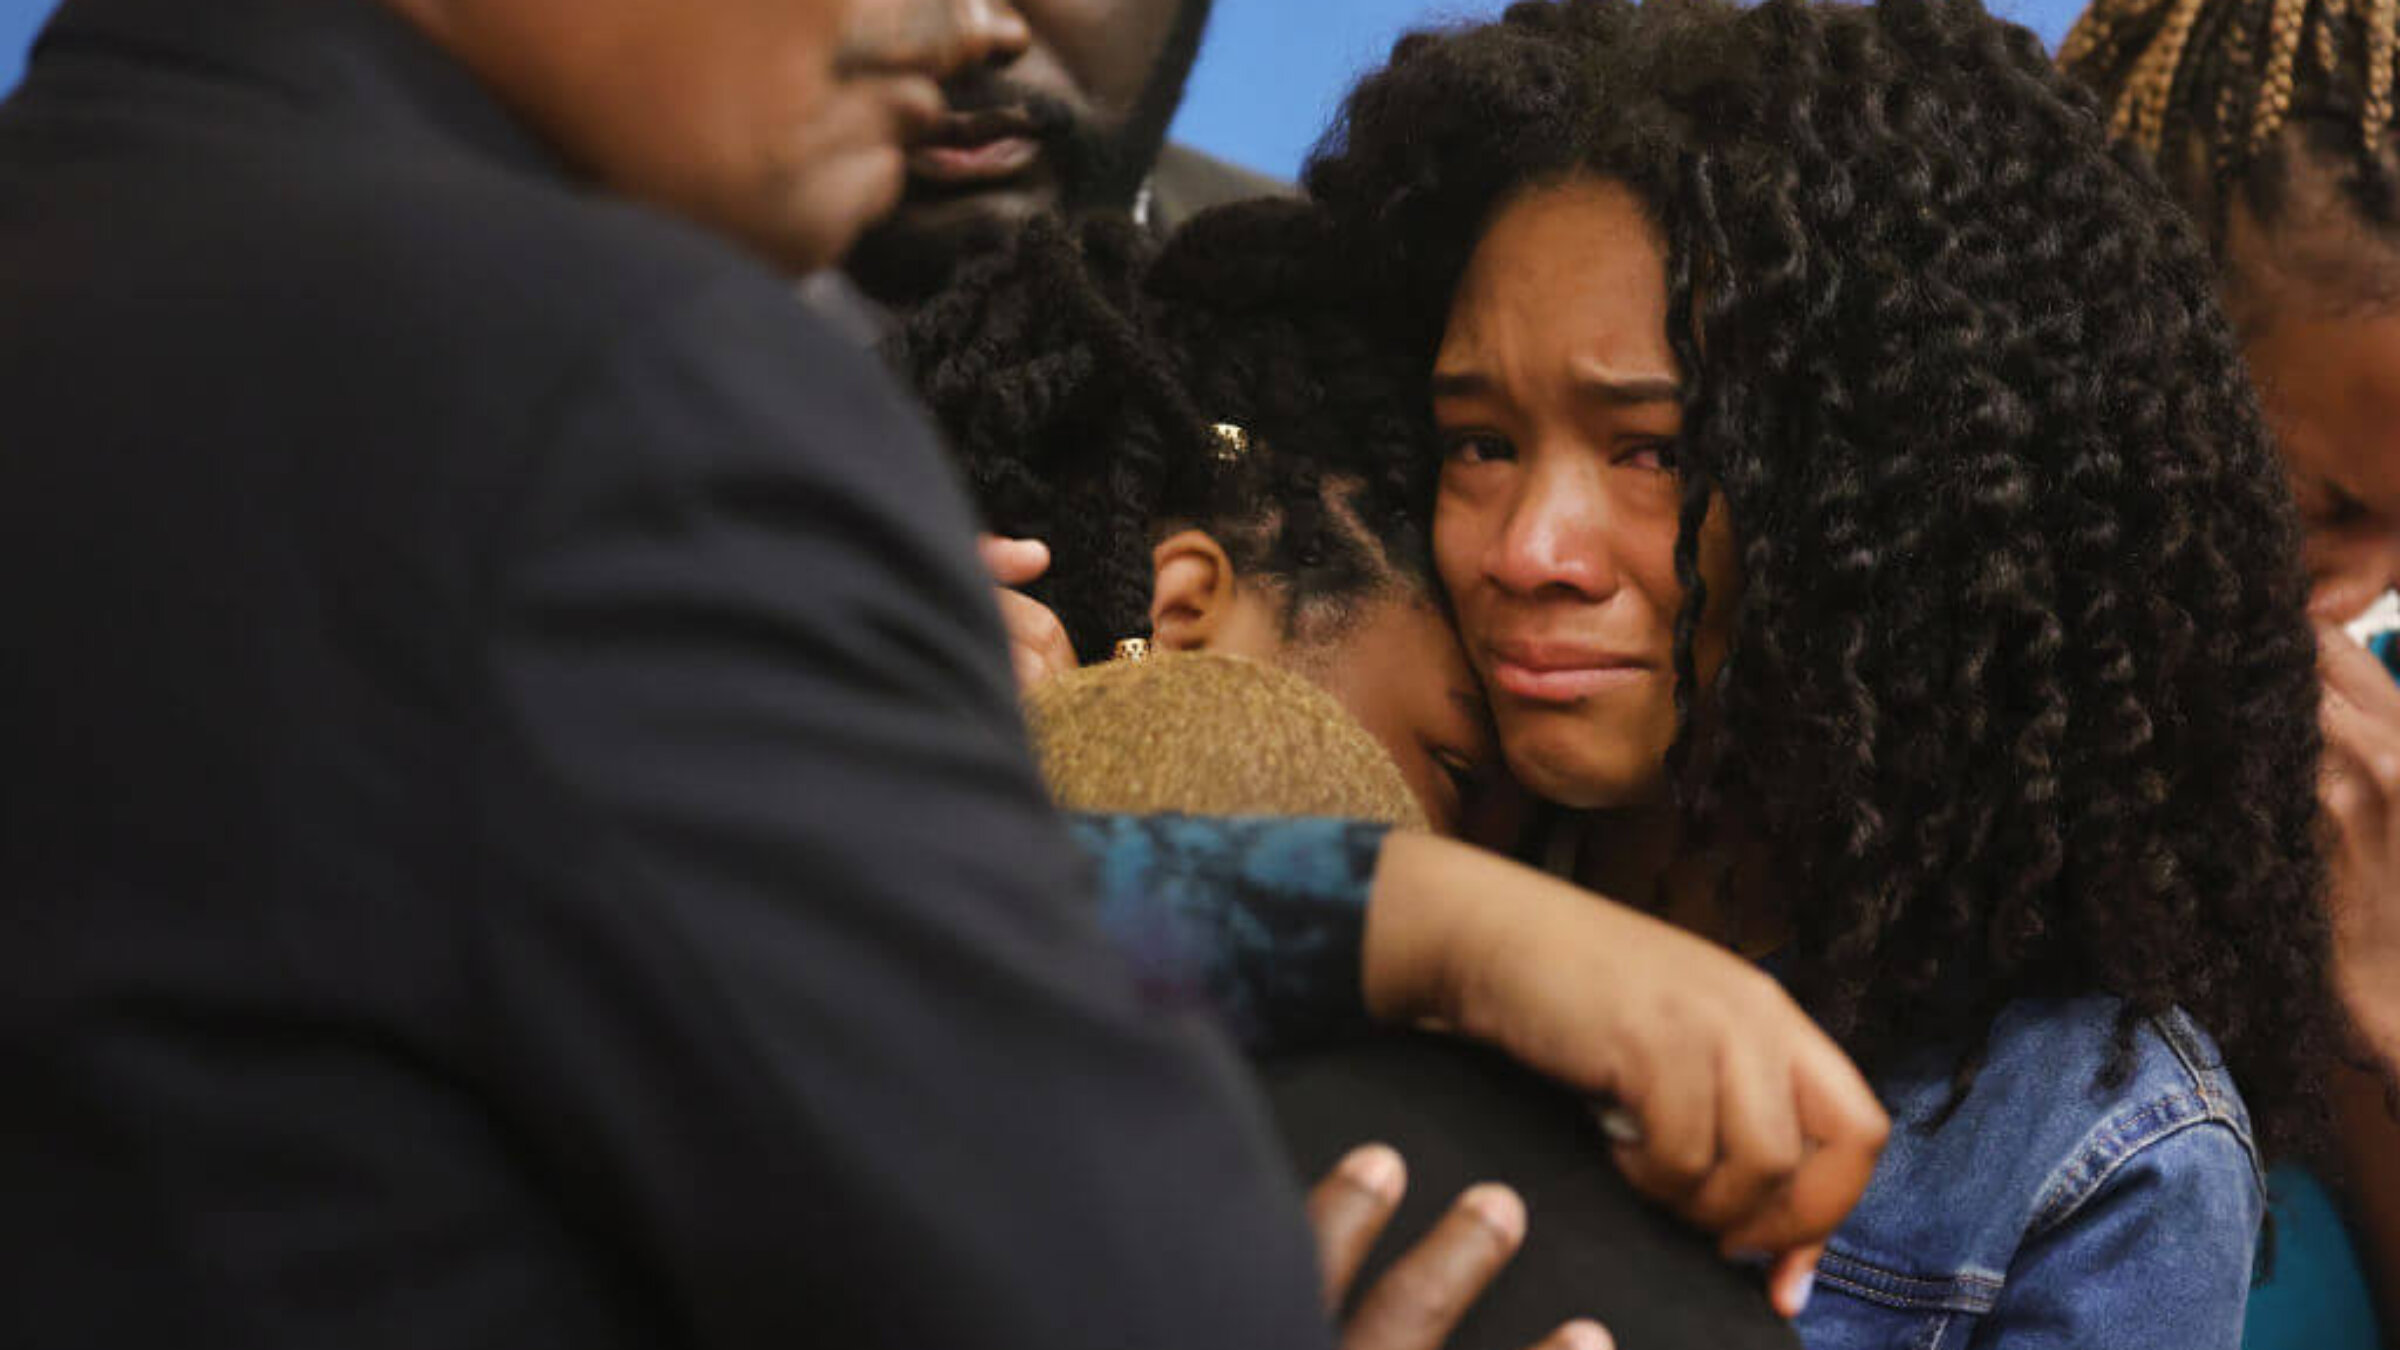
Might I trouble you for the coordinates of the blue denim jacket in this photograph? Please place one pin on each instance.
(2051, 1211)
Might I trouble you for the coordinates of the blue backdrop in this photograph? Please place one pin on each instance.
(18, 19)
(1269, 80)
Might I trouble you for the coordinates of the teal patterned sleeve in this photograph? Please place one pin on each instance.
(1261, 920)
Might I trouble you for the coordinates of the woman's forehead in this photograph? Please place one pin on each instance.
(1569, 280)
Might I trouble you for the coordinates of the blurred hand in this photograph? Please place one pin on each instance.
(1420, 1300)
(2360, 788)
(1037, 642)
(1747, 1120)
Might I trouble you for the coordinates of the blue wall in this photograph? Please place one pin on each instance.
(1274, 71)
(1272, 74)
(18, 19)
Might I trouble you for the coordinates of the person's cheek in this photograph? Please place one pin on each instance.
(1459, 533)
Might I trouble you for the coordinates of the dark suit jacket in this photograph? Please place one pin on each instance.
(517, 832)
(1461, 1114)
(1187, 182)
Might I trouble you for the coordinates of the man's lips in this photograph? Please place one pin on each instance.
(981, 163)
(1562, 672)
(977, 147)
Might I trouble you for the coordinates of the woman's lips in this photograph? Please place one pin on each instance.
(975, 162)
(1553, 674)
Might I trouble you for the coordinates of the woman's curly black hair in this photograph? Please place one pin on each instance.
(1081, 379)
(2020, 689)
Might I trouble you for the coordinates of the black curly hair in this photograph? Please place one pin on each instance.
(2229, 97)
(1081, 380)
(2020, 688)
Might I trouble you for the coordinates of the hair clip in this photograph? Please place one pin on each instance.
(1233, 441)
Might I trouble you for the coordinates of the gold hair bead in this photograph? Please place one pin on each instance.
(1232, 441)
(1133, 649)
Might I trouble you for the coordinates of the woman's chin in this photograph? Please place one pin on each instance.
(1585, 777)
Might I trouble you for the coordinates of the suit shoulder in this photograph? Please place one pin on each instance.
(1187, 182)
(542, 254)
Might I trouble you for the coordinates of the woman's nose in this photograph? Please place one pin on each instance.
(1556, 538)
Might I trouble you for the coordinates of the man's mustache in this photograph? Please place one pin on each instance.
(1050, 117)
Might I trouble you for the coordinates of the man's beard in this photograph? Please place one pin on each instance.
(1093, 169)
(1088, 169)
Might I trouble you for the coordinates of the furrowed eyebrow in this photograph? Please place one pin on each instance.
(1634, 389)
(1608, 388)
(1461, 384)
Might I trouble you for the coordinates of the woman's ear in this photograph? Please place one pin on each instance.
(1191, 591)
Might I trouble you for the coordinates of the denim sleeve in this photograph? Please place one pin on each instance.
(1260, 920)
(2158, 1257)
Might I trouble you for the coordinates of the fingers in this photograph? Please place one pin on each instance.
(2361, 755)
(2356, 672)
(1420, 1299)
(2359, 783)
(1759, 1146)
(1794, 1278)
(1579, 1335)
(2341, 595)
(1038, 647)
(1845, 1128)
(1012, 562)
(1028, 668)
(1678, 1115)
(1349, 1209)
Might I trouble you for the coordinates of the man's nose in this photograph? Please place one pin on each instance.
(937, 38)
(990, 33)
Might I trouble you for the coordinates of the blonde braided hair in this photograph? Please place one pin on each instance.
(2210, 91)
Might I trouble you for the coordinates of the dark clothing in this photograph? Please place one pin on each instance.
(1460, 1115)
(518, 832)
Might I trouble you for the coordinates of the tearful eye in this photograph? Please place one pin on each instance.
(1476, 447)
(1656, 456)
